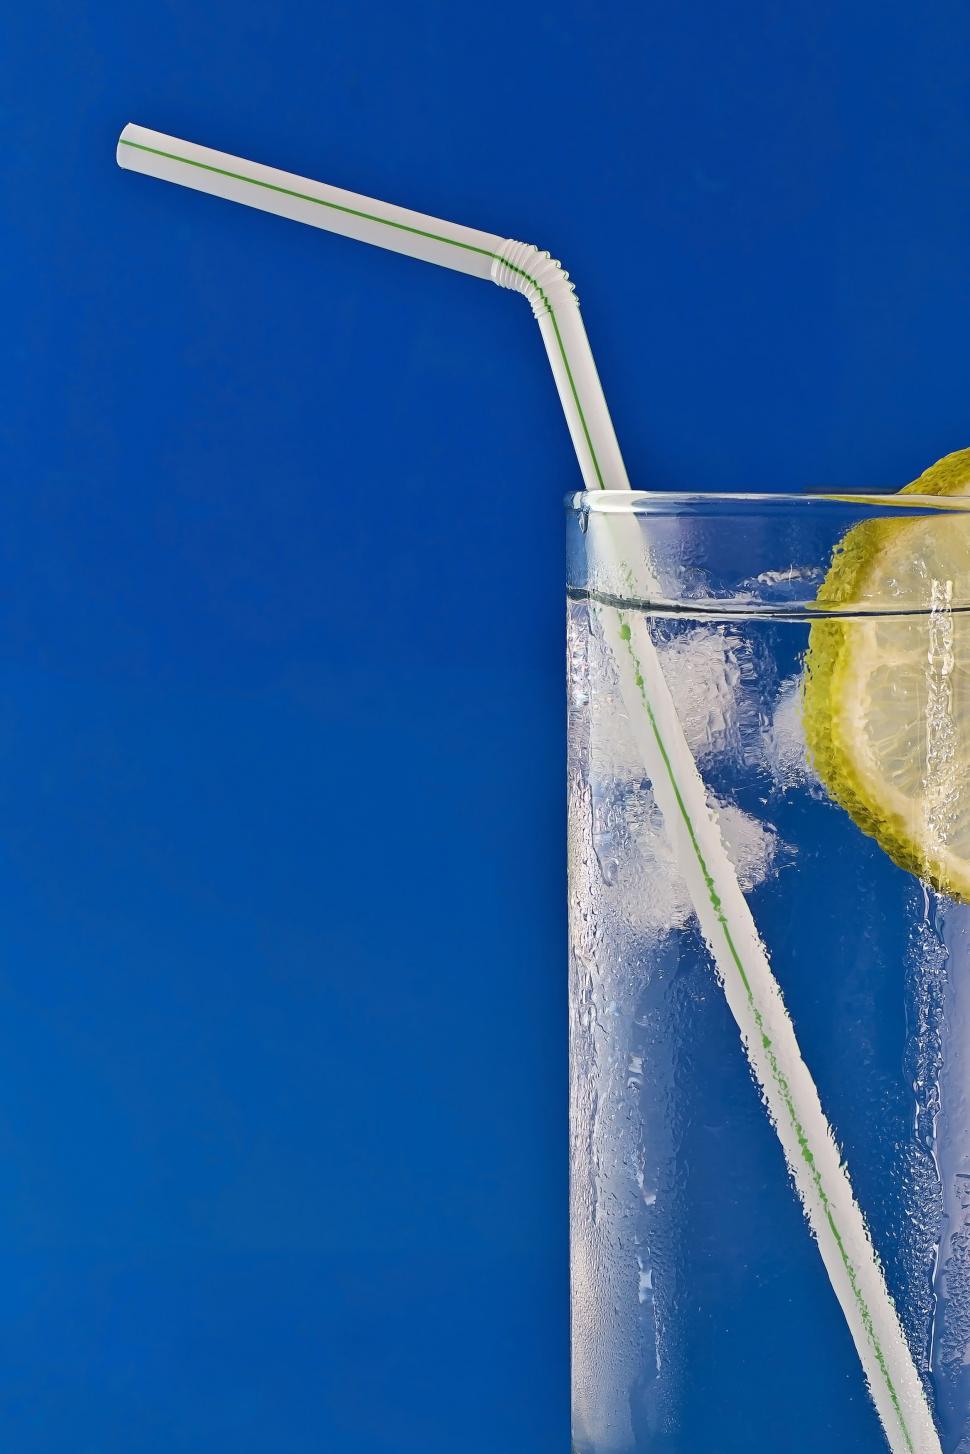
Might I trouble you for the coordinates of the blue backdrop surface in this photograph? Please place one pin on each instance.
(282, 941)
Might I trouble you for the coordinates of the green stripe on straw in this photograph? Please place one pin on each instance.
(780, 1078)
(682, 786)
(172, 156)
(401, 227)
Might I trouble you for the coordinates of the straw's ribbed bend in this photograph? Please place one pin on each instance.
(536, 274)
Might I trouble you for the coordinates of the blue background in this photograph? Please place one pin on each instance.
(282, 943)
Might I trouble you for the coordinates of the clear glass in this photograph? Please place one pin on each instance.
(702, 1316)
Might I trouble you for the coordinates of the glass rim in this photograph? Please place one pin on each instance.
(753, 520)
(877, 503)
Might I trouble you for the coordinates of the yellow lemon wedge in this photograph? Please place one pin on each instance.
(887, 697)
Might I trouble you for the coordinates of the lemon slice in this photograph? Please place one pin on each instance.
(887, 698)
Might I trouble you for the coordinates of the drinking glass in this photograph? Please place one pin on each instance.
(702, 1316)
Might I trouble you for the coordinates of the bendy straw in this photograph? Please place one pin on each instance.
(751, 990)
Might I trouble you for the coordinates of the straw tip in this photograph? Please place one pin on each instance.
(122, 150)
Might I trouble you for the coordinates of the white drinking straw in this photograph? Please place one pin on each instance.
(751, 990)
